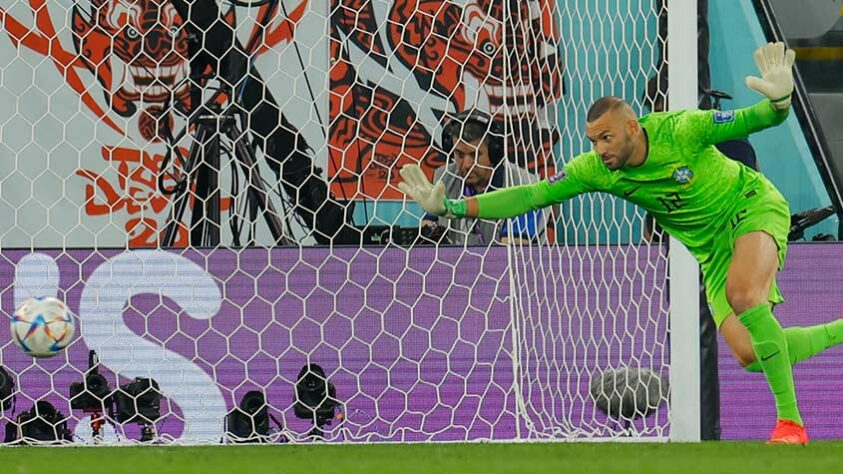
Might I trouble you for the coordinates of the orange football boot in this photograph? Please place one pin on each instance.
(788, 432)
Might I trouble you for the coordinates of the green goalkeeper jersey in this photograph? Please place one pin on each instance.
(689, 186)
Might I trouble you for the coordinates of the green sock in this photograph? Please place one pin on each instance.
(804, 343)
(770, 346)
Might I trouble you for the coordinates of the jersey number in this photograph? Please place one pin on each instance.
(672, 202)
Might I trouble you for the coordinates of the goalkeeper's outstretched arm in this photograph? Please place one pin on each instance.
(500, 204)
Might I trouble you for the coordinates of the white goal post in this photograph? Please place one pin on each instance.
(684, 276)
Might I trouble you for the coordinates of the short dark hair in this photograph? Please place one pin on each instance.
(601, 106)
(468, 131)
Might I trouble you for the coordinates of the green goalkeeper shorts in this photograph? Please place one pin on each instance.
(763, 209)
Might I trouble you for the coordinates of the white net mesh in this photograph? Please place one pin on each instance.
(230, 138)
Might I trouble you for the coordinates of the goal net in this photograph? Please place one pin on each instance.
(210, 186)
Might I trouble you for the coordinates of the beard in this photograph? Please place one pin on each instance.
(625, 155)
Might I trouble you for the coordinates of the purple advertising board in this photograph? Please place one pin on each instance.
(408, 358)
(419, 344)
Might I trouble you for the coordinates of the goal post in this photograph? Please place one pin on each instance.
(684, 270)
(213, 194)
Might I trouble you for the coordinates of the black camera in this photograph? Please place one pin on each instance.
(40, 424)
(249, 422)
(93, 393)
(139, 401)
(434, 233)
(7, 390)
(316, 398)
(90, 395)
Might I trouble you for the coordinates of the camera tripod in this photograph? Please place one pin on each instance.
(251, 120)
(202, 170)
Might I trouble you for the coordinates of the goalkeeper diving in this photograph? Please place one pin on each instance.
(730, 217)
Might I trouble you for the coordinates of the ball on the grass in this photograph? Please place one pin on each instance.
(628, 393)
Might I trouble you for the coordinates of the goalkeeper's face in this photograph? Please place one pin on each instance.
(612, 136)
(473, 162)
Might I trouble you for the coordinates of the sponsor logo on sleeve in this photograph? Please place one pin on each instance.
(724, 116)
(557, 177)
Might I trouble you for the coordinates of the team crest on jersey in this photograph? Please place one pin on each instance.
(683, 175)
(557, 177)
(724, 117)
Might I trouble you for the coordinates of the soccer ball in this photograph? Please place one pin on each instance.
(42, 326)
(628, 393)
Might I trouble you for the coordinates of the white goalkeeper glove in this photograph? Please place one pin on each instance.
(431, 198)
(776, 66)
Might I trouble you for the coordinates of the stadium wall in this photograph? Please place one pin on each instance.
(105, 163)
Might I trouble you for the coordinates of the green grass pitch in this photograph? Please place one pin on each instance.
(627, 458)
